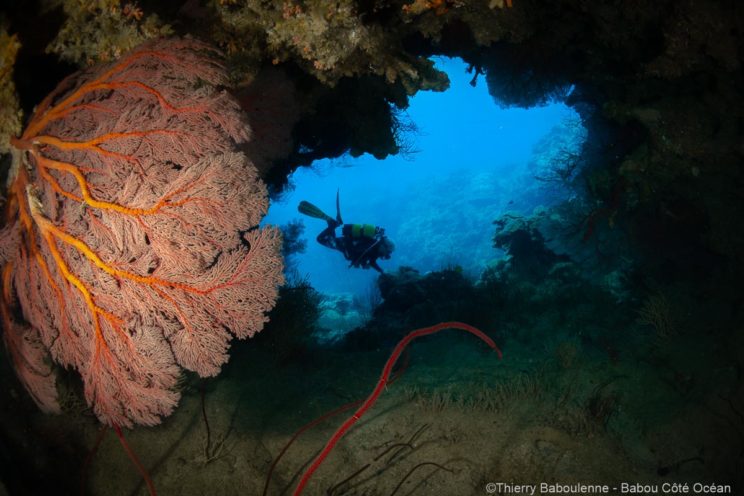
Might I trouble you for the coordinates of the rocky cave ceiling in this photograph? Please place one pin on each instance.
(658, 84)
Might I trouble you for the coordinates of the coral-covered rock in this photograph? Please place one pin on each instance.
(525, 246)
(133, 246)
(10, 112)
(102, 30)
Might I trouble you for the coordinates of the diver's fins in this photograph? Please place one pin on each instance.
(338, 210)
(311, 210)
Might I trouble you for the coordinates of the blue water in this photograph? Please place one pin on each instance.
(437, 203)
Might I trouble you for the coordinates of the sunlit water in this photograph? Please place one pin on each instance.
(469, 164)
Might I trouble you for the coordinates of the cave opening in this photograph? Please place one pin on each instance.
(466, 160)
(612, 183)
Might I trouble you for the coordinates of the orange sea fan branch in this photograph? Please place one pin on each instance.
(7, 285)
(95, 310)
(46, 163)
(48, 227)
(93, 144)
(103, 284)
(83, 106)
(25, 217)
(147, 89)
(60, 107)
(43, 170)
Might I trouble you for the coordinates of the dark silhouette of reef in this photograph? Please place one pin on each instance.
(657, 85)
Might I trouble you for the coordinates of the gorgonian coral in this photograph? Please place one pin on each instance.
(131, 244)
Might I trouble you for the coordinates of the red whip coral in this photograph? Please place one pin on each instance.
(131, 245)
(381, 384)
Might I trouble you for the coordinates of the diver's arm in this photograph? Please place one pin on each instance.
(373, 264)
(327, 236)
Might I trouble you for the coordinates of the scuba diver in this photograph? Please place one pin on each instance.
(361, 244)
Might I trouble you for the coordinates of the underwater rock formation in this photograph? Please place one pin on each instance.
(131, 247)
(409, 299)
(10, 112)
(102, 30)
(525, 246)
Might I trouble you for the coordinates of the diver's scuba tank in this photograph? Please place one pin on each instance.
(363, 233)
(358, 231)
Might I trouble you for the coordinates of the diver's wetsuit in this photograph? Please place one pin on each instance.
(358, 243)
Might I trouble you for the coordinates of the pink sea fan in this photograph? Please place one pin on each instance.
(131, 246)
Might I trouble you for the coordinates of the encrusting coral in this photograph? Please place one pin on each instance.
(10, 113)
(330, 40)
(102, 30)
(131, 245)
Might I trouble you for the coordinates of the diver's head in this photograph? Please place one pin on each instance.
(385, 248)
